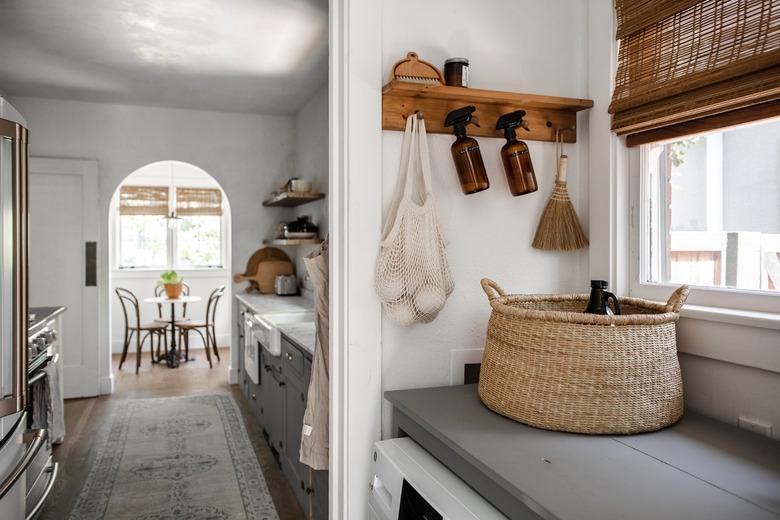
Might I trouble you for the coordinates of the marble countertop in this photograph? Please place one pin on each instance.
(302, 333)
(270, 303)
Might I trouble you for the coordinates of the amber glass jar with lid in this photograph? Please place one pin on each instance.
(456, 72)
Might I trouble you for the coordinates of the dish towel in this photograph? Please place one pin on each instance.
(48, 407)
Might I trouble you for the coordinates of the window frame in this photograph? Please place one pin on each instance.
(737, 300)
(172, 242)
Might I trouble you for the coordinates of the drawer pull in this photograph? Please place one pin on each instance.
(282, 383)
(289, 357)
(303, 398)
(309, 490)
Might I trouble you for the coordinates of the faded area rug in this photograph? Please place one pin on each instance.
(175, 458)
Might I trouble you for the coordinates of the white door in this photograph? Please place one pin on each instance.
(63, 221)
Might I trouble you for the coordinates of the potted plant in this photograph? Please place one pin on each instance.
(172, 283)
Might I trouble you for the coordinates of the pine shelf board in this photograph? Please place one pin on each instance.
(292, 241)
(543, 113)
(292, 198)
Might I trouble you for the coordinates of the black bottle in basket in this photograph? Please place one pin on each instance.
(599, 297)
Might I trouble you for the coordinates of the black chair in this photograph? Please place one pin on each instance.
(130, 303)
(208, 333)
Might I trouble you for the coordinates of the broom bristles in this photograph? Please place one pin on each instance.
(559, 228)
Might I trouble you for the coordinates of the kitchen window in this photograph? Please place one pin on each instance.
(170, 227)
(709, 215)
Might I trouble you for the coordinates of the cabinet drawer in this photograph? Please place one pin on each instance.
(292, 360)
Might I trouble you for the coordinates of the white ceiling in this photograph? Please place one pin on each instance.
(261, 56)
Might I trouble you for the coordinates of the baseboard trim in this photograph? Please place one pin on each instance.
(106, 385)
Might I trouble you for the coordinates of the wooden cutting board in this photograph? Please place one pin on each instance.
(281, 264)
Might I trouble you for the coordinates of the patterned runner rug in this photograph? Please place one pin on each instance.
(175, 458)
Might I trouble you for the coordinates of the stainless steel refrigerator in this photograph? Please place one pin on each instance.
(18, 448)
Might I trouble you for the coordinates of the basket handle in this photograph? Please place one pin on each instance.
(492, 289)
(677, 299)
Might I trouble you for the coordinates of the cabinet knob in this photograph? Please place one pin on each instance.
(262, 411)
(282, 383)
(309, 490)
(254, 397)
(289, 357)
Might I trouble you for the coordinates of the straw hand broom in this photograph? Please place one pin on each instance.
(559, 228)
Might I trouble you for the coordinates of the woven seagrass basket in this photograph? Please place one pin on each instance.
(549, 365)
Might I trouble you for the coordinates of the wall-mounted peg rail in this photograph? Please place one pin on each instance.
(543, 113)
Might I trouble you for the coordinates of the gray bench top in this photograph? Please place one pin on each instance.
(697, 468)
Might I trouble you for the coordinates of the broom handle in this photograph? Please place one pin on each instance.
(563, 161)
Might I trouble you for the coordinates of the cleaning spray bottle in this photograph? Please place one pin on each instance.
(515, 155)
(465, 152)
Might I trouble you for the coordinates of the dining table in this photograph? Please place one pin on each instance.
(171, 357)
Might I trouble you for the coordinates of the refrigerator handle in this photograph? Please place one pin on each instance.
(35, 440)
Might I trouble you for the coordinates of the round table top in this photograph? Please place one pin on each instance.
(180, 299)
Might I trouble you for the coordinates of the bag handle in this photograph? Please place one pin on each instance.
(419, 164)
(403, 176)
(492, 289)
(677, 299)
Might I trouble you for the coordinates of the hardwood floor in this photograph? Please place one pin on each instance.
(84, 417)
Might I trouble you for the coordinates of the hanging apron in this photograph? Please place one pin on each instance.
(314, 438)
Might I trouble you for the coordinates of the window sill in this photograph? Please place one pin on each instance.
(764, 320)
(203, 272)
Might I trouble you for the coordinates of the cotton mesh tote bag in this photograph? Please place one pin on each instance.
(413, 278)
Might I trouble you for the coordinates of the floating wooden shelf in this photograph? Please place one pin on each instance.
(292, 241)
(293, 198)
(543, 113)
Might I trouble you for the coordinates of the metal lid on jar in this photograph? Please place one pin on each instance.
(465, 61)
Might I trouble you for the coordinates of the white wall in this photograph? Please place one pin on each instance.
(311, 163)
(249, 155)
(490, 232)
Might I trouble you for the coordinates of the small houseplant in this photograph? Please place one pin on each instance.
(172, 283)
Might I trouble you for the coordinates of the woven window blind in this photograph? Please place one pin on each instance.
(198, 201)
(143, 200)
(685, 60)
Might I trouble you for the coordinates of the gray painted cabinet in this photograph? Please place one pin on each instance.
(279, 403)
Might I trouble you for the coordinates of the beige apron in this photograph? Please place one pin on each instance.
(314, 440)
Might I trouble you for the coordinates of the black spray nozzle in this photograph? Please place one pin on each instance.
(461, 117)
(508, 122)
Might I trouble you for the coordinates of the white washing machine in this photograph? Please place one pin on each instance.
(409, 484)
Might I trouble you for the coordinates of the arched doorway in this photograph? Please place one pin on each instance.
(169, 215)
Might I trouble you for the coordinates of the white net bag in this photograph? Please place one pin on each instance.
(413, 278)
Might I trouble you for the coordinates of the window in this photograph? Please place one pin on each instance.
(150, 238)
(710, 210)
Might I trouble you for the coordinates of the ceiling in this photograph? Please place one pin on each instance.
(259, 56)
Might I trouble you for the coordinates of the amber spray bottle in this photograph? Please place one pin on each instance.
(465, 152)
(515, 155)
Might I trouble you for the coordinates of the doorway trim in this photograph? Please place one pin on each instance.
(93, 306)
(355, 213)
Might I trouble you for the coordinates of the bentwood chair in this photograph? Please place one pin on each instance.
(159, 290)
(206, 329)
(132, 315)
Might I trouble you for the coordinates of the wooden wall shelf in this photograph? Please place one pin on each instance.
(292, 241)
(292, 198)
(543, 113)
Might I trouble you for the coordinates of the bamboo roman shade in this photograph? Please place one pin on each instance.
(143, 200)
(682, 61)
(198, 201)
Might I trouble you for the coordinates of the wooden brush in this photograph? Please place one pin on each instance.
(414, 70)
(559, 228)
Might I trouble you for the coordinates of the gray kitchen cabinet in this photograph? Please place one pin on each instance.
(293, 469)
(274, 391)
